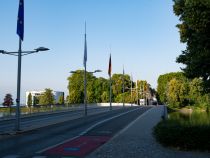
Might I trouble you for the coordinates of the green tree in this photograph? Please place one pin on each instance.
(195, 32)
(29, 101)
(195, 90)
(177, 93)
(47, 97)
(117, 85)
(8, 101)
(163, 81)
(36, 100)
(61, 100)
(101, 89)
(76, 87)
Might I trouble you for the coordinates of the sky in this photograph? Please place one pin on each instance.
(140, 34)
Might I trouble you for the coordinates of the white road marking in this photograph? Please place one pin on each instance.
(90, 128)
(11, 156)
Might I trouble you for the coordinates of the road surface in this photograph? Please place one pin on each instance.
(76, 137)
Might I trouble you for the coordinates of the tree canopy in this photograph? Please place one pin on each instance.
(195, 32)
(8, 101)
(177, 91)
(47, 97)
(29, 101)
(98, 88)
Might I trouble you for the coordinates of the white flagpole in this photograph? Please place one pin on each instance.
(123, 87)
(85, 79)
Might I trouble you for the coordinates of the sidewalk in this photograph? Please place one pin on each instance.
(137, 141)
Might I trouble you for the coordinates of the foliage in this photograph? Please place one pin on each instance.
(29, 101)
(76, 87)
(186, 133)
(47, 97)
(98, 89)
(175, 90)
(177, 93)
(8, 101)
(61, 100)
(195, 32)
(163, 81)
(36, 100)
(117, 86)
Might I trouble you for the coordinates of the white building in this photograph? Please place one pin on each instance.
(36, 94)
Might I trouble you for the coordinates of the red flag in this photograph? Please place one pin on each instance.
(110, 66)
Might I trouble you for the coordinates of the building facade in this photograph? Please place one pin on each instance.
(37, 94)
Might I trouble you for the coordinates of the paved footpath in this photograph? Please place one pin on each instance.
(137, 141)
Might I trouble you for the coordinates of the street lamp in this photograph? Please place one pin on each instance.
(85, 88)
(20, 53)
(23, 53)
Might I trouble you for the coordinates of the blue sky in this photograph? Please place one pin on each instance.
(141, 33)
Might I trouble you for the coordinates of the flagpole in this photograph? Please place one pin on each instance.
(131, 90)
(123, 87)
(110, 82)
(17, 127)
(85, 92)
(85, 76)
(110, 92)
(137, 96)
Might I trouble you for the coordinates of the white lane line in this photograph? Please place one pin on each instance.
(133, 122)
(106, 120)
(43, 150)
(11, 156)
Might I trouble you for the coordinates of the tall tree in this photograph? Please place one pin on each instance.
(76, 87)
(61, 100)
(163, 81)
(195, 32)
(47, 97)
(8, 101)
(29, 101)
(117, 84)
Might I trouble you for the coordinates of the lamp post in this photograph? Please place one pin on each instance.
(20, 53)
(85, 88)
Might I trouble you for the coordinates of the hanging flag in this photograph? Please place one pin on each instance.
(85, 52)
(110, 66)
(20, 20)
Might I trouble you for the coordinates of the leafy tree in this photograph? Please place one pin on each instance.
(105, 97)
(29, 101)
(61, 100)
(177, 93)
(8, 101)
(36, 100)
(163, 81)
(195, 90)
(117, 84)
(101, 89)
(76, 87)
(98, 88)
(47, 97)
(195, 32)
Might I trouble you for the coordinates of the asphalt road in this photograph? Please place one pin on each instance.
(30, 143)
(42, 119)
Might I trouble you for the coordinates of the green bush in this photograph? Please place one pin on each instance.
(185, 136)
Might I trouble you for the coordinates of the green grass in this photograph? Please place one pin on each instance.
(26, 110)
(185, 132)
